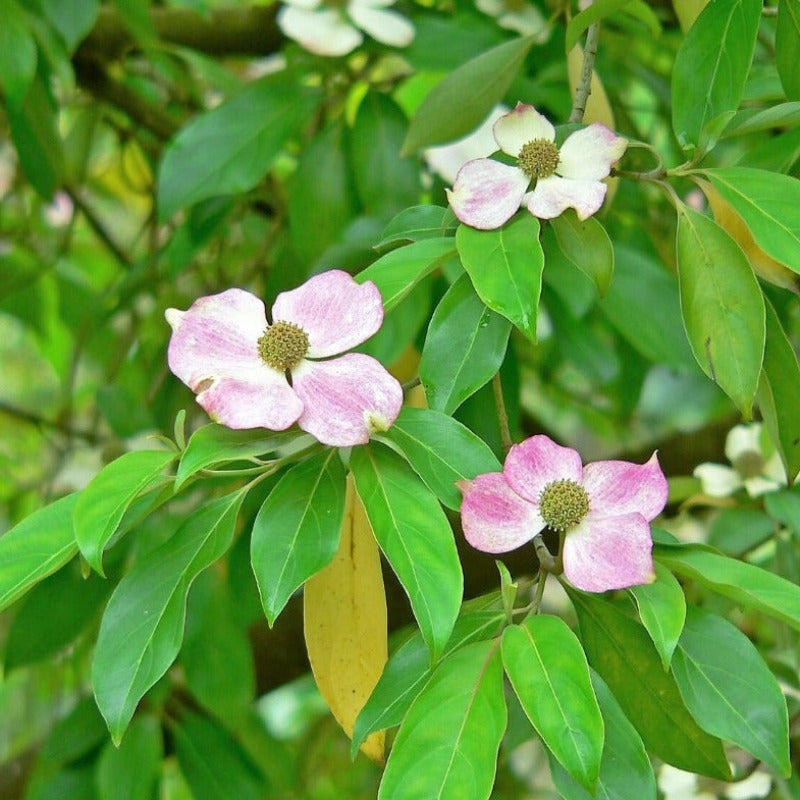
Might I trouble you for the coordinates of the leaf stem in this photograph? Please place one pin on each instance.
(502, 414)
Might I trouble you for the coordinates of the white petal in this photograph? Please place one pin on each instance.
(758, 485)
(491, 7)
(718, 480)
(528, 21)
(522, 125)
(553, 195)
(589, 153)
(307, 4)
(486, 193)
(324, 32)
(743, 439)
(386, 27)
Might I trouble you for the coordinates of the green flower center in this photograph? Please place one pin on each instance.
(283, 345)
(538, 158)
(563, 504)
(749, 464)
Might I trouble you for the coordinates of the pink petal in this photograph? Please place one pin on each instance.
(486, 193)
(553, 195)
(346, 399)
(217, 337)
(323, 31)
(611, 553)
(589, 153)
(336, 312)
(387, 27)
(266, 401)
(495, 518)
(537, 461)
(619, 487)
(522, 125)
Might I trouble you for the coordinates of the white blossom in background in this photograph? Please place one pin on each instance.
(679, 785)
(336, 29)
(517, 15)
(447, 159)
(59, 211)
(755, 465)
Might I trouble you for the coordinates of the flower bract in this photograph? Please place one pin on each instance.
(487, 193)
(603, 511)
(335, 29)
(239, 365)
(524, 18)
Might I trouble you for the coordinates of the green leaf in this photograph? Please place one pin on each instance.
(506, 269)
(130, 771)
(464, 347)
(296, 532)
(417, 223)
(586, 244)
(409, 669)
(784, 506)
(459, 103)
(777, 393)
(386, 182)
(547, 668)
(737, 530)
(711, 68)
(620, 650)
(36, 547)
(45, 624)
(103, 502)
(415, 537)
(722, 307)
(214, 764)
(787, 47)
(73, 19)
(769, 204)
(17, 53)
(730, 690)
(752, 120)
(741, 582)
(456, 756)
(142, 627)
(662, 609)
(215, 444)
(440, 450)
(397, 272)
(229, 149)
(625, 768)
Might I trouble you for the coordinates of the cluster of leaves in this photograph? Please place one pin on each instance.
(151, 583)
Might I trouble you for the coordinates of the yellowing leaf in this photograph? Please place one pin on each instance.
(345, 623)
(688, 11)
(763, 265)
(404, 369)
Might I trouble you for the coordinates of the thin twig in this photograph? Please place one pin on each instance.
(502, 414)
(584, 87)
(99, 228)
(37, 419)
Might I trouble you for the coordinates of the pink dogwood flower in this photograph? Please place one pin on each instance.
(602, 510)
(237, 363)
(486, 193)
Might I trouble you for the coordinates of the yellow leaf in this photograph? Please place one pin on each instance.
(345, 623)
(688, 11)
(763, 265)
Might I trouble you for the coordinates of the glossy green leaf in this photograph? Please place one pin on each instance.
(729, 689)
(17, 53)
(142, 627)
(711, 67)
(215, 444)
(784, 506)
(787, 47)
(619, 649)
(130, 771)
(397, 272)
(741, 582)
(734, 531)
(447, 745)
(547, 668)
(229, 773)
(769, 204)
(103, 502)
(415, 537)
(36, 547)
(296, 532)
(662, 610)
(460, 102)
(417, 223)
(229, 149)
(409, 668)
(385, 182)
(586, 244)
(465, 346)
(441, 451)
(752, 120)
(73, 19)
(777, 395)
(722, 307)
(625, 768)
(506, 269)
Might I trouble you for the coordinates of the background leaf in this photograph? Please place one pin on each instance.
(130, 771)
(586, 244)
(787, 47)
